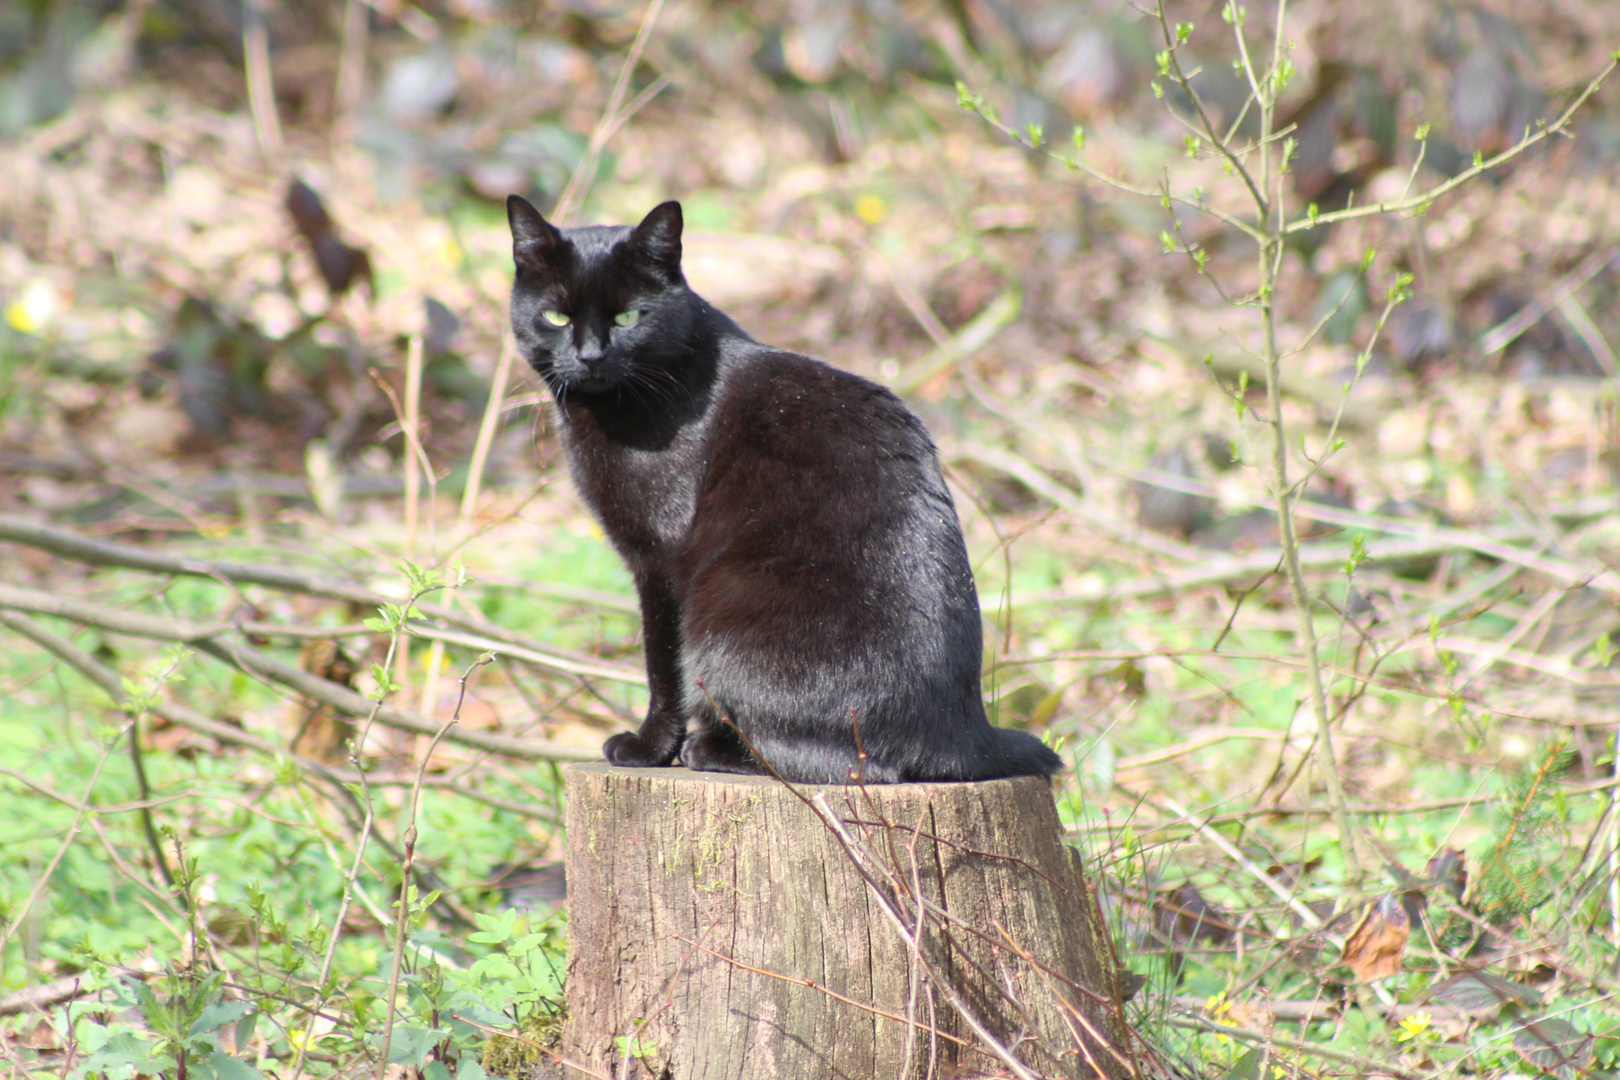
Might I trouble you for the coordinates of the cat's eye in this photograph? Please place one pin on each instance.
(627, 318)
(555, 318)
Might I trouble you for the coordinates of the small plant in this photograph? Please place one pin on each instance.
(186, 1018)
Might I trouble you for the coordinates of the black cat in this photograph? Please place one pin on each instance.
(798, 559)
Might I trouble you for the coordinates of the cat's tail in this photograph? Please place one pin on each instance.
(1022, 754)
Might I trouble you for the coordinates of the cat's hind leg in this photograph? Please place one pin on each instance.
(713, 745)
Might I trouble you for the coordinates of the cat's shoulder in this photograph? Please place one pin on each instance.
(787, 406)
(766, 377)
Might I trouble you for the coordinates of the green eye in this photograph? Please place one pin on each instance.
(626, 318)
(555, 318)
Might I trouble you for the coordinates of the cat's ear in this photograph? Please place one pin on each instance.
(658, 237)
(534, 239)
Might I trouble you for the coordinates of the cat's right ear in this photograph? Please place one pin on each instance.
(659, 238)
(534, 239)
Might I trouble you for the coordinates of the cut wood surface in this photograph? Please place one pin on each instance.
(728, 926)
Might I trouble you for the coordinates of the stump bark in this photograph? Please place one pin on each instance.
(731, 927)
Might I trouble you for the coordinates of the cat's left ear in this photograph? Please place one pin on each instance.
(534, 239)
(659, 238)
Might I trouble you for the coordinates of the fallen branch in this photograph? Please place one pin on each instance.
(229, 735)
(1220, 570)
(1506, 332)
(1368, 1066)
(252, 661)
(1425, 541)
(1326, 395)
(70, 545)
(1036, 480)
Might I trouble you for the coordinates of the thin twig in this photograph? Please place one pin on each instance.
(71, 545)
(1424, 198)
(835, 995)
(486, 437)
(260, 82)
(254, 662)
(573, 196)
(20, 913)
(1506, 332)
(402, 922)
(1309, 917)
(1368, 1066)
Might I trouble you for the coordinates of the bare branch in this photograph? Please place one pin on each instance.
(254, 662)
(71, 545)
(1414, 202)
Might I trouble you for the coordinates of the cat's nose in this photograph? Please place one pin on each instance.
(591, 350)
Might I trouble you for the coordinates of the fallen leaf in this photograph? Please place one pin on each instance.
(1374, 949)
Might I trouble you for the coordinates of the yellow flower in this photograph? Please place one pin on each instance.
(35, 309)
(1413, 1026)
(871, 208)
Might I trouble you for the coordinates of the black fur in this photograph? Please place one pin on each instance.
(797, 555)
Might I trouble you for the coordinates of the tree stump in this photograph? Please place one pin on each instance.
(732, 927)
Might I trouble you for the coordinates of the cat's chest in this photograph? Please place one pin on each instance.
(644, 498)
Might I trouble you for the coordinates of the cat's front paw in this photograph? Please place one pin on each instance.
(633, 752)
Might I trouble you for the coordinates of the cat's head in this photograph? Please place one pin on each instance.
(602, 308)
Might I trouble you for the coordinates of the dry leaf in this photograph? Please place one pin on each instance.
(1374, 949)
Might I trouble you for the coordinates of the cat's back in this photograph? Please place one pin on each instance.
(796, 412)
(824, 484)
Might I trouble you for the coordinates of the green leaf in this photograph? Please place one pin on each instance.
(634, 1046)
(1183, 32)
(1036, 133)
(420, 580)
(1358, 554)
(217, 1016)
(229, 1068)
(125, 1055)
(410, 1044)
(1285, 71)
(147, 1002)
(495, 967)
(1079, 138)
(244, 1029)
(1422, 132)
